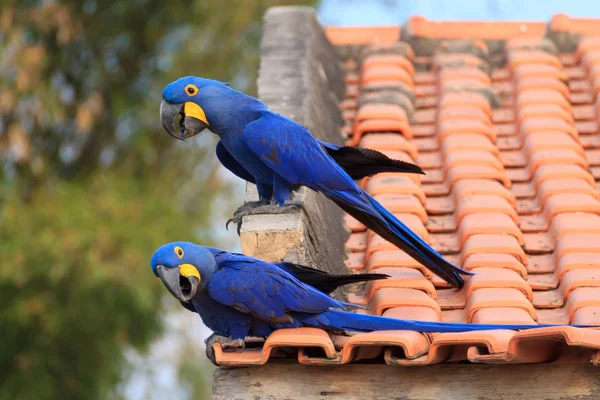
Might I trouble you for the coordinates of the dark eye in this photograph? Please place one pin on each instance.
(179, 251)
(191, 90)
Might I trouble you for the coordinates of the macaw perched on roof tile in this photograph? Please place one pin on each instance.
(280, 155)
(239, 296)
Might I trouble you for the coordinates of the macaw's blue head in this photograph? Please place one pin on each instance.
(188, 97)
(184, 268)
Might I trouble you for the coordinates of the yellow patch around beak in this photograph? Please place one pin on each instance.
(194, 110)
(188, 270)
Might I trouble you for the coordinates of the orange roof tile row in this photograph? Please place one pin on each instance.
(419, 26)
(512, 156)
(564, 345)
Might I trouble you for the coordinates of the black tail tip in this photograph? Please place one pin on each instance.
(374, 277)
(414, 168)
(457, 279)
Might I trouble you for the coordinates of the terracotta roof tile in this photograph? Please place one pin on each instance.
(543, 70)
(504, 119)
(421, 27)
(577, 26)
(364, 35)
(387, 60)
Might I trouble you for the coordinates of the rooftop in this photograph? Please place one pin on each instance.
(503, 117)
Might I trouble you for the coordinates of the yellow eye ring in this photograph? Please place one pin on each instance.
(191, 90)
(179, 251)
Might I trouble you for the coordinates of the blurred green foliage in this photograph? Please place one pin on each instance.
(90, 183)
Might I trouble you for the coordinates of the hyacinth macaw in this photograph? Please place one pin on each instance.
(239, 296)
(280, 155)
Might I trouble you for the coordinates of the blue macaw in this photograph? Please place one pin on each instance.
(239, 296)
(280, 155)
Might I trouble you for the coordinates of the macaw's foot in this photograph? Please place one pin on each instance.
(246, 209)
(260, 207)
(226, 343)
(243, 210)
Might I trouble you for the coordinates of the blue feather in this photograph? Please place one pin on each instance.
(371, 213)
(231, 164)
(347, 321)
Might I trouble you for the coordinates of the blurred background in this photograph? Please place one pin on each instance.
(91, 185)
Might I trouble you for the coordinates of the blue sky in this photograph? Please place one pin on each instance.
(385, 12)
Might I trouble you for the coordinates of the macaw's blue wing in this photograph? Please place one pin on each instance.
(290, 151)
(232, 165)
(360, 163)
(316, 278)
(264, 290)
(294, 154)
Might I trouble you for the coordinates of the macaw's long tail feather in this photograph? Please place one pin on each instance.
(323, 281)
(375, 217)
(348, 321)
(360, 163)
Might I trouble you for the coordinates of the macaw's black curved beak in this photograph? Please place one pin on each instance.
(182, 287)
(192, 122)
